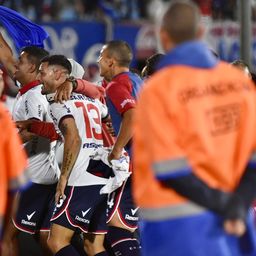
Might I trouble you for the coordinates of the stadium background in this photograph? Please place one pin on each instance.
(79, 28)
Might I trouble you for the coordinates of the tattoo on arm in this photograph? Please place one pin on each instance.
(67, 163)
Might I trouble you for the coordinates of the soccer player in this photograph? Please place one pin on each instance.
(33, 211)
(194, 148)
(121, 93)
(79, 205)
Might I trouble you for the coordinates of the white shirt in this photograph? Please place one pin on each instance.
(87, 114)
(42, 165)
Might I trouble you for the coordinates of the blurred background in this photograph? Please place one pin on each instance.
(79, 28)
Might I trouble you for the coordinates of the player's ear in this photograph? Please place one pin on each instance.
(32, 68)
(60, 76)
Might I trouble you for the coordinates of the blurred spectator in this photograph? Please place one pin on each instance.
(205, 6)
(224, 9)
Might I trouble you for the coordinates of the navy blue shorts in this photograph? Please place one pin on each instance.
(84, 209)
(35, 208)
(121, 201)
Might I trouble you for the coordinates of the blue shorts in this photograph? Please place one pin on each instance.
(35, 207)
(83, 209)
(197, 235)
(121, 201)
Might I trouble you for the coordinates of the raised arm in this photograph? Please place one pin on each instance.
(80, 86)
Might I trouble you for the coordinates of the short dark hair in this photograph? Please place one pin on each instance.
(59, 60)
(121, 51)
(181, 21)
(151, 64)
(35, 54)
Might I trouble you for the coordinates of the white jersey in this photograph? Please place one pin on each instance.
(87, 113)
(30, 103)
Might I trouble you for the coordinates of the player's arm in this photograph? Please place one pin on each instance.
(6, 56)
(72, 144)
(43, 129)
(124, 134)
(80, 86)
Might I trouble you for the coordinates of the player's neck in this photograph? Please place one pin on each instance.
(28, 79)
(119, 70)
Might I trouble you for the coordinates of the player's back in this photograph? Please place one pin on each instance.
(87, 113)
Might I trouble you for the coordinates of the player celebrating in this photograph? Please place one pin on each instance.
(79, 203)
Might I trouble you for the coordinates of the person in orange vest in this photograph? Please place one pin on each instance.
(13, 162)
(194, 148)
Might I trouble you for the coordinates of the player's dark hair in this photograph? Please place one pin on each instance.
(35, 54)
(59, 60)
(151, 64)
(121, 51)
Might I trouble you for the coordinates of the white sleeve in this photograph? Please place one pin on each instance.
(35, 106)
(103, 109)
(59, 111)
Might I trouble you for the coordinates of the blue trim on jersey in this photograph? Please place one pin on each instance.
(195, 54)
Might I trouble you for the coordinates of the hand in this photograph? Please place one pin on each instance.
(60, 189)
(235, 227)
(63, 92)
(114, 154)
(24, 125)
(26, 135)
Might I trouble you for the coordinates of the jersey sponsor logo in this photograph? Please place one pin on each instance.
(31, 215)
(127, 101)
(85, 212)
(91, 145)
(134, 210)
(82, 219)
(28, 222)
(129, 217)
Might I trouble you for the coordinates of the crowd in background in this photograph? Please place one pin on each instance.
(121, 10)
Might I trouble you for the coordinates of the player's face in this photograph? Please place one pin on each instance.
(23, 67)
(47, 77)
(105, 64)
